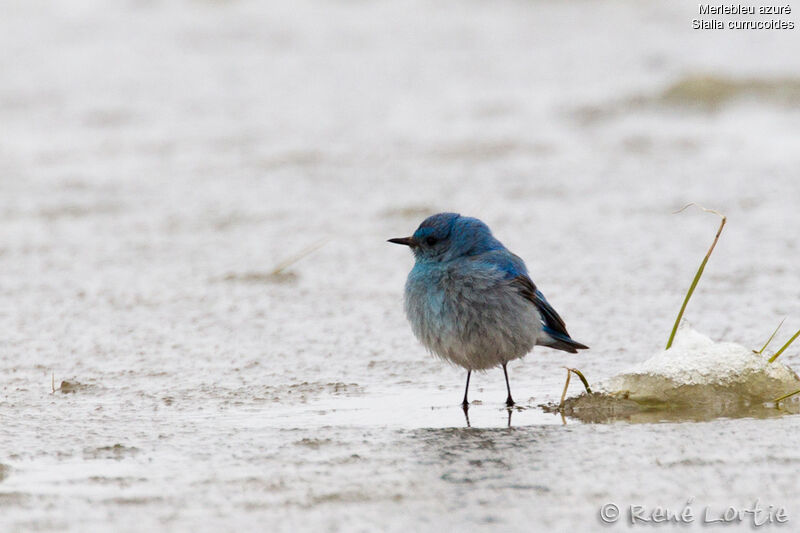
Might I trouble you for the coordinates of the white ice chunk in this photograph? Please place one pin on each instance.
(697, 369)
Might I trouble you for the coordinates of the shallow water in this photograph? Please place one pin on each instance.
(158, 160)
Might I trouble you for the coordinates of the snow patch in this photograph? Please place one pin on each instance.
(696, 368)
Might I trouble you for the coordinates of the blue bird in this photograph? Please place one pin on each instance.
(470, 300)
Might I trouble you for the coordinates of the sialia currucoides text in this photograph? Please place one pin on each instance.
(470, 300)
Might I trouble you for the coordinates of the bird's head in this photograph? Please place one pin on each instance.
(446, 236)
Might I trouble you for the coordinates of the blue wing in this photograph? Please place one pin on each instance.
(553, 325)
(556, 332)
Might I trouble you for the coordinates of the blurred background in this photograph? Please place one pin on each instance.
(160, 160)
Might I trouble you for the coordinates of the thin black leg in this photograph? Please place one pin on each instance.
(465, 403)
(509, 400)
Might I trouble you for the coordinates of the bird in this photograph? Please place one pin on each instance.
(471, 301)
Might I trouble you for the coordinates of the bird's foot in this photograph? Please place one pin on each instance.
(509, 401)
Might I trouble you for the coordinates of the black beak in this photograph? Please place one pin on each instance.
(408, 241)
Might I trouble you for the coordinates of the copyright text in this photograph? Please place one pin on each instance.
(756, 514)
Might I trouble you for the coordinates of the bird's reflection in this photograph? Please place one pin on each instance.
(465, 408)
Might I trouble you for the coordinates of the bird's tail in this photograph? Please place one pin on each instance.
(559, 341)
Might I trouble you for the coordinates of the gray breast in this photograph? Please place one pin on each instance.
(475, 321)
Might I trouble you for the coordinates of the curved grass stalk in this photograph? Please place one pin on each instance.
(566, 384)
(699, 270)
(583, 379)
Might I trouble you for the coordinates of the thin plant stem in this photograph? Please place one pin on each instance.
(289, 261)
(771, 336)
(699, 271)
(583, 379)
(566, 385)
(779, 352)
(776, 400)
(564, 394)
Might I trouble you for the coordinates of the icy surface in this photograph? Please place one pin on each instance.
(697, 369)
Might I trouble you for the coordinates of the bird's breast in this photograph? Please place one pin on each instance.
(472, 319)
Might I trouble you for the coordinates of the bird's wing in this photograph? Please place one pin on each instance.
(552, 324)
(550, 317)
(514, 272)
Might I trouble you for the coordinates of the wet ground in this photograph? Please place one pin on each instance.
(158, 160)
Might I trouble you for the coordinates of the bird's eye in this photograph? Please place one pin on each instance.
(430, 241)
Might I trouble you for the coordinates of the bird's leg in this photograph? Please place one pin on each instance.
(509, 400)
(465, 403)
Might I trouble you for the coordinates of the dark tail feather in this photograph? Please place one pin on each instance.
(559, 341)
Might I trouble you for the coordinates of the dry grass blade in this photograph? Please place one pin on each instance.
(771, 336)
(699, 270)
(566, 384)
(289, 261)
(776, 400)
(583, 379)
(783, 348)
(564, 394)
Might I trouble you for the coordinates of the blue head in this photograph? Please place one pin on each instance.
(446, 236)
